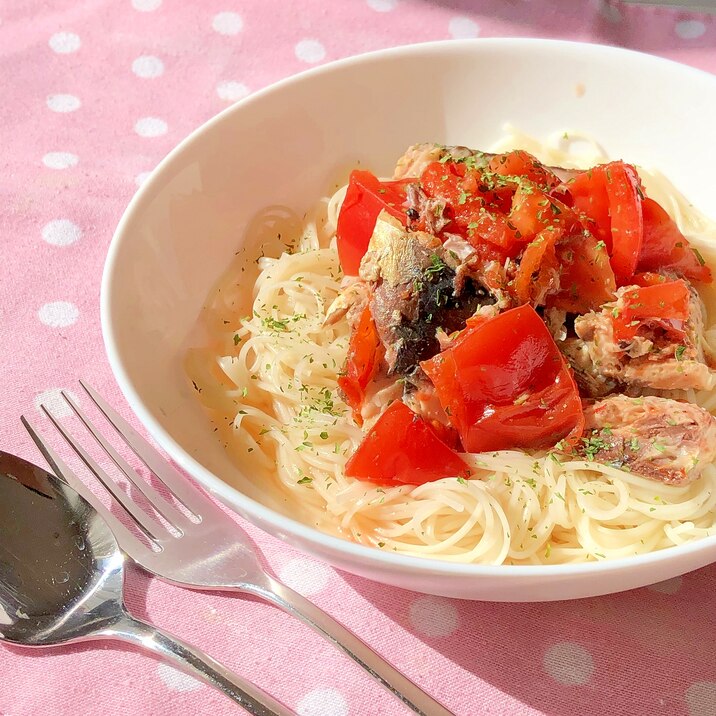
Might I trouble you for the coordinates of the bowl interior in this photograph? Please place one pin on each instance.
(288, 145)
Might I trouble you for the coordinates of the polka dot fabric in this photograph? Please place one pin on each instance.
(94, 95)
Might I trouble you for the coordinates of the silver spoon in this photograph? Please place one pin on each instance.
(61, 578)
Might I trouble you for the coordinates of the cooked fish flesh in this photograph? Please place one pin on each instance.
(659, 438)
(414, 293)
(418, 156)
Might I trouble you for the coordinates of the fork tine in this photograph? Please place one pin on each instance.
(153, 528)
(192, 498)
(128, 541)
(173, 516)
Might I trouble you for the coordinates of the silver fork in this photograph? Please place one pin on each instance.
(209, 551)
(691, 5)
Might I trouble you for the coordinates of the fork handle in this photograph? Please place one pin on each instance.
(388, 676)
(196, 663)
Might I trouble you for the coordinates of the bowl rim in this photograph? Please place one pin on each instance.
(229, 495)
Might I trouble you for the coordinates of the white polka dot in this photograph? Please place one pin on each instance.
(609, 12)
(63, 102)
(59, 314)
(64, 42)
(61, 232)
(701, 698)
(176, 680)
(227, 23)
(690, 29)
(569, 663)
(304, 576)
(146, 5)
(433, 616)
(59, 160)
(463, 28)
(141, 178)
(310, 51)
(150, 127)
(669, 586)
(54, 402)
(323, 702)
(148, 66)
(231, 91)
(382, 5)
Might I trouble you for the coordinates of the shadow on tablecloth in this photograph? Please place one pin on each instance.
(646, 651)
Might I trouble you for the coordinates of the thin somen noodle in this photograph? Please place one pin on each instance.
(269, 383)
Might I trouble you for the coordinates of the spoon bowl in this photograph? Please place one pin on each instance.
(62, 576)
(63, 581)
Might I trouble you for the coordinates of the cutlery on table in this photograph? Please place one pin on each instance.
(61, 580)
(691, 5)
(209, 552)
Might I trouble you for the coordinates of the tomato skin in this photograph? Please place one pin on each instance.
(668, 301)
(610, 197)
(648, 278)
(586, 279)
(589, 197)
(496, 229)
(586, 276)
(401, 448)
(666, 248)
(505, 385)
(364, 355)
(523, 164)
(365, 198)
(454, 184)
(466, 196)
(533, 211)
(538, 267)
(625, 197)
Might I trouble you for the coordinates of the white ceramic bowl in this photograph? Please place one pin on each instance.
(282, 145)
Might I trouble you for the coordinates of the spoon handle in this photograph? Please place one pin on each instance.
(196, 663)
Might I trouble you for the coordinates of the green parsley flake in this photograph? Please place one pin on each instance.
(592, 446)
(436, 265)
(305, 480)
(698, 255)
(274, 324)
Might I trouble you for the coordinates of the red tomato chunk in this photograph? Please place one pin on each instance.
(365, 198)
(610, 196)
(505, 385)
(364, 353)
(667, 301)
(402, 448)
(666, 248)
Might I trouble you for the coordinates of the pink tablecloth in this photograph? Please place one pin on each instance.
(94, 93)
